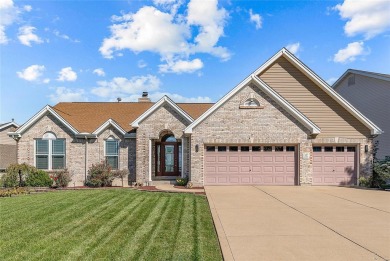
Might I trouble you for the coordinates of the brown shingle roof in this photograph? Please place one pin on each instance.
(88, 116)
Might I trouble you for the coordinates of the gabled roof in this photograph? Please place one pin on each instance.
(379, 76)
(305, 70)
(108, 123)
(8, 124)
(161, 102)
(44, 111)
(267, 90)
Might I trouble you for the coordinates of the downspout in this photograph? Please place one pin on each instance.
(86, 159)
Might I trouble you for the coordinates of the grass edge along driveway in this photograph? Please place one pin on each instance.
(117, 224)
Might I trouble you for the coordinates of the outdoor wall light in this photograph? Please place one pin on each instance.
(196, 148)
(366, 148)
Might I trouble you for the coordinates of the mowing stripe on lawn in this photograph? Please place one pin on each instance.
(79, 229)
(104, 236)
(62, 226)
(131, 237)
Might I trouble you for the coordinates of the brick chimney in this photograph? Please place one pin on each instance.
(144, 97)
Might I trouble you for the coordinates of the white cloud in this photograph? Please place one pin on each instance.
(63, 94)
(349, 53)
(26, 35)
(67, 74)
(32, 73)
(173, 36)
(181, 66)
(64, 36)
(294, 47)
(27, 8)
(9, 13)
(255, 18)
(142, 64)
(331, 80)
(370, 17)
(171, 5)
(99, 72)
(121, 86)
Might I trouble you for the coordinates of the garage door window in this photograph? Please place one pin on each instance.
(210, 148)
(256, 148)
(328, 149)
(351, 149)
(290, 148)
(339, 149)
(267, 148)
(245, 148)
(316, 149)
(221, 148)
(233, 148)
(278, 148)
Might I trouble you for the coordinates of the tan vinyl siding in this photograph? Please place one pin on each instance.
(4, 138)
(312, 101)
(371, 97)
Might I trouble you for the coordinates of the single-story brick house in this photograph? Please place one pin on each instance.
(282, 125)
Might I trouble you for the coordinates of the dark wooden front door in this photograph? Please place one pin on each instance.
(168, 159)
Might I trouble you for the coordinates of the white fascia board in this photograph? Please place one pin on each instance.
(108, 123)
(41, 113)
(375, 130)
(165, 99)
(314, 129)
(9, 124)
(218, 104)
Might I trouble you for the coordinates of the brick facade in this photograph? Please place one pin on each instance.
(7, 148)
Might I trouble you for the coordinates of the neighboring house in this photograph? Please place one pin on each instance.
(7, 145)
(370, 93)
(282, 125)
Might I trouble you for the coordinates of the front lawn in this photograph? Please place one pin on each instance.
(114, 224)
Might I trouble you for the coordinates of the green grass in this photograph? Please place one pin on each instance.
(117, 224)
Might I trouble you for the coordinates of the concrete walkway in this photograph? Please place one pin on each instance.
(301, 223)
(171, 188)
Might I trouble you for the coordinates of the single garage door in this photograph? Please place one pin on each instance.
(241, 165)
(334, 165)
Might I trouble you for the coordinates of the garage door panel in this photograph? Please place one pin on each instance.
(334, 167)
(250, 167)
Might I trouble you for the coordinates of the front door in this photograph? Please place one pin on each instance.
(168, 159)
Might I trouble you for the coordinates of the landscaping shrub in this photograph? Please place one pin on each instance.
(99, 175)
(61, 178)
(122, 174)
(8, 192)
(38, 178)
(364, 182)
(182, 181)
(16, 175)
(381, 170)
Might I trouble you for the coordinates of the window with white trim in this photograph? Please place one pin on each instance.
(112, 152)
(50, 152)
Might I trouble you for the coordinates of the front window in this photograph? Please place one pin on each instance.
(50, 154)
(112, 153)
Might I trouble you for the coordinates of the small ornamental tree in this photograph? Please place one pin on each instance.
(61, 178)
(122, 174)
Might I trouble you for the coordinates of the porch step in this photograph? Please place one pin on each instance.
(162, 182)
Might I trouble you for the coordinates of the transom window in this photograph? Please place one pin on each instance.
(50, 152)
(168, 138)
(112, 152)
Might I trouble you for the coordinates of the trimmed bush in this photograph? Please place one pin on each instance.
(99, 175)
(12, 177)
(61, 178)
(13, 191)
(182, 181)
(39, 178)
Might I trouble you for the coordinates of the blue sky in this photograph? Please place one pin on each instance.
(193, 51)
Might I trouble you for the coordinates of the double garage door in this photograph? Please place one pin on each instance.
(277, 165)
(240, 165)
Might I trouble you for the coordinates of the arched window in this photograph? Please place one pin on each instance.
(50, 152)
(251, 102)
(169, 138)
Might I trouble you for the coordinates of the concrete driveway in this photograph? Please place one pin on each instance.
(301, 223)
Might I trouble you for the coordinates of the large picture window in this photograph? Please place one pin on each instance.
(112, 153)
(50, 153)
